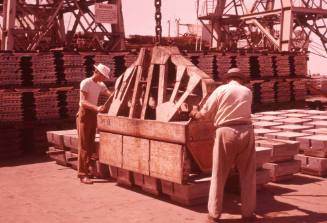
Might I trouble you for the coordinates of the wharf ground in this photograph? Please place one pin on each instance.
(35, 189)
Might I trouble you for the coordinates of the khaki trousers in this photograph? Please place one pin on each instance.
(86, 122)
(234, 146)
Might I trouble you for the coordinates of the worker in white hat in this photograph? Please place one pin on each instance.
(229, 106)
(86, 121)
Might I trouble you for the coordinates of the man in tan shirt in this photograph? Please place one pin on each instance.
(229, 106)
(86, 120)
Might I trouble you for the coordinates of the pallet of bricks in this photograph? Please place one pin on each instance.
(304, 127)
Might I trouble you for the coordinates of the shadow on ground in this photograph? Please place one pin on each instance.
(24, 160)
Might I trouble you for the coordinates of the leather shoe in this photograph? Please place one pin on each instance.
(212, 219)
(86, 180)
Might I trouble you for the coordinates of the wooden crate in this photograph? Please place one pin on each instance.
(287, 135)
(263, 155)
(294, 127)
(313, 165)
(264, 131)
(315, 143)
(282, 150)
(282, 170)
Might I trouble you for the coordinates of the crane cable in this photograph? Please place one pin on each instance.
(158, 29)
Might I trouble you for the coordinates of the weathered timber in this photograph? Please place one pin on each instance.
(111, 149)
(313, 165)
(58, 155)
(279, 170)
(280, 148)
(57, 137)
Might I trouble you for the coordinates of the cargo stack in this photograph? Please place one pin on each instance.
(283, 91)
(208, 64)
(224, 63)
(267, 92)
(242, 61)
(11, 115)
(10, 70)
(11, 107)
(73, 67)
(254, 66)
(43, 69)
(298, 90)
(72, 99)
(299, 65)
(46, 105)
(266, 66)
(282, 164)
(282, 65)
(307, 128)
(314, 157)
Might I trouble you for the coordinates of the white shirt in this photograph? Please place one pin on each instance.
(93, 90)
(229, 104)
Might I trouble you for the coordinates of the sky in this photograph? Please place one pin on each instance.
(139, 19)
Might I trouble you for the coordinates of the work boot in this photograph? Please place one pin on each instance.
(249, 219)
(212, 219)
(86, 180)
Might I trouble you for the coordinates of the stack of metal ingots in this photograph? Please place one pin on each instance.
(304, 131)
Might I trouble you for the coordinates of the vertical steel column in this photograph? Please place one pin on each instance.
(286, 24)
(119, 28)
(9, 16)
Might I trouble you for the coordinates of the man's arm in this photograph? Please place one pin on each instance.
(208, 107)
(107, 93)
(87, 105)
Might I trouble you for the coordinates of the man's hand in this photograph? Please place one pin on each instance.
(195, 115)
(100, 109)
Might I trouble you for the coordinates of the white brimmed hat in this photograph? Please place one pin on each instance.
(103, 69)
(235, 72)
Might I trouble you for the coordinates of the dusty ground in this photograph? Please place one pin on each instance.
(38, 190)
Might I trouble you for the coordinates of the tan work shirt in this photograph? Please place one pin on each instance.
(229, 104)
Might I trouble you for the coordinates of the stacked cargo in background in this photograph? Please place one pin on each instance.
(304, 129)
(40, 92)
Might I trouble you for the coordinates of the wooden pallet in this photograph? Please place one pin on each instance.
(282, 170)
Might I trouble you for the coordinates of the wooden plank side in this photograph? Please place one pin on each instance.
(164, 131)
(136, 154)
(169, 113)
(162, 86)
(111, 149)
(136, 93)
(120, 98)
(147, 91)
(166, 161)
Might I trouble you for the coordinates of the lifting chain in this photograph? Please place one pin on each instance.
(157, 4)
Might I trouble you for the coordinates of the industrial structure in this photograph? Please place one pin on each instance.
(42, 25)
(284, 26)
(146, 138)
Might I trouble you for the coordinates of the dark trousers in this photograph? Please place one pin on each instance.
(86, 122)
